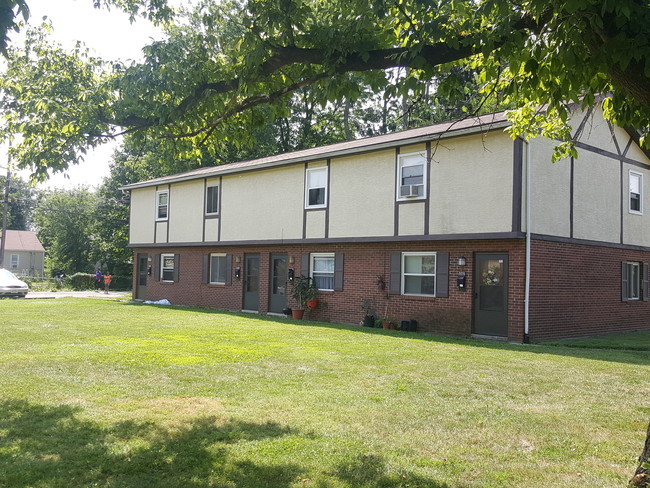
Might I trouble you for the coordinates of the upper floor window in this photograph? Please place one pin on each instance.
(419, 273)
(316, 187)
(636, 192)
(322, 270)
(162, 205)
(411, 176)
(212, 200)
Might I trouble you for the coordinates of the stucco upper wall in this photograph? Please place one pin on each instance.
(362, 195)
(636, 226)
(472, 184)
(142, 215)
(186, 212)
(263, 205)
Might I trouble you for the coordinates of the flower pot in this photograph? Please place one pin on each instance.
(312, 304)
(297, 313)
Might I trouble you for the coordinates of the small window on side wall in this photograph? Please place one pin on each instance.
(636, 192)
(634, 281)
(316, 187)
(411, 176)
(162, 205)
(212, 200)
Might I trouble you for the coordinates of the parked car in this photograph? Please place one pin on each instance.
(11, 286)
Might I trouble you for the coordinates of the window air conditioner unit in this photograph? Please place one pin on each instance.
(409, 191)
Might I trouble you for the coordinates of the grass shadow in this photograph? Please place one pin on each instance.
(53, 447)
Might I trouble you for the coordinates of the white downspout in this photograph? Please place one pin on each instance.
(528, 232)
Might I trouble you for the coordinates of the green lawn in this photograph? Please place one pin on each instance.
(113, 394)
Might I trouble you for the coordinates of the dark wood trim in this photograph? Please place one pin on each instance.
(572, 181)
(343, 240)
(517, 184)
(427, 199)
(610, 155)
(583, 122)
(627, 146)
(396, 186)
(155, 215)
(622, 200)
(305, 167)
(327, 201)
(587, 242)
(613, 134)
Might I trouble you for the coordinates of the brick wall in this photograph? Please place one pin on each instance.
(576, 291)
(366, 266)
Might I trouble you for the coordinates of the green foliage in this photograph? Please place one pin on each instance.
(303, 290)
(81, 281)
(22, 200)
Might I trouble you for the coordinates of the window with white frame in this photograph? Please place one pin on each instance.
(411, 176)
(636, 192)
(632, 286)
(167, 267)
(218, 264)
(14, 261)
(419, 273)
(212, 200)
(316, 187)
(162, 205)
(322, 270)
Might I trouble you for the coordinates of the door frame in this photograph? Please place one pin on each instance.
(142, 272)
(245, 283)
(494, 323)
(275, 307)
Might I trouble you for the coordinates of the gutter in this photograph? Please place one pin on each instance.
(528, 234)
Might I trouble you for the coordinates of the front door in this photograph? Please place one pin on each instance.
(278, 288)
(143, 273)
(491, 294)
(252, 282)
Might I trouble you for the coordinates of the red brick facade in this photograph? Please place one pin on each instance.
(575, 289)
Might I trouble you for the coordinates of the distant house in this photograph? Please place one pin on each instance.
(455, 226)
(24, 253)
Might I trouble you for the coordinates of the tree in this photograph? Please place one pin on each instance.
(228, 66)
(22, 199)
(64, 224)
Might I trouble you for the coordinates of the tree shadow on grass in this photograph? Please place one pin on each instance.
(51, 447)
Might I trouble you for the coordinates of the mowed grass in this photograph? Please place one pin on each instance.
(113, 394)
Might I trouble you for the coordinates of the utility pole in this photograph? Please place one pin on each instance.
(4, 214)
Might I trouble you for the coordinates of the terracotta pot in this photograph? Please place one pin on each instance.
(297, 313)
(312, 304)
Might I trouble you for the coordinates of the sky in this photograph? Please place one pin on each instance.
(111, 36)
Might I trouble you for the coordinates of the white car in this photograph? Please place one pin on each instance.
(10, 286)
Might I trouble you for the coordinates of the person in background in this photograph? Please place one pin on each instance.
(107, 281)
(98, 281)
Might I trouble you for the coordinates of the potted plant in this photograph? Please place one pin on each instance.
(303, 291)
(368, 317)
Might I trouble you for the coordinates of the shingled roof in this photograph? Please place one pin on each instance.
(22, 240)
(412, 136)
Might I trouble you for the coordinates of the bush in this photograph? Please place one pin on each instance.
(85, 281)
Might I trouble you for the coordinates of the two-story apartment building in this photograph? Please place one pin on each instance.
(455, 225)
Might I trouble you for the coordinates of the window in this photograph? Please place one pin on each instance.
(162, 205)
(14, 261)
(636, 192)
(167, 267)
(212, 200)
(322, 270)
(419, 274)
(218, 267)
(411, 176)
(316, 191)
(635, 281)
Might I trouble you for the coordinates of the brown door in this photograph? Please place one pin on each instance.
(491, 294)
(143, 274)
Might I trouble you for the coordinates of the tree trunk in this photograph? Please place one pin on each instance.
(641, 478)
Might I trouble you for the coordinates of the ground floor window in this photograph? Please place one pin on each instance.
(14, 261)
(218, 266)
(322, 270)
(167, 266)
(419, 274)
